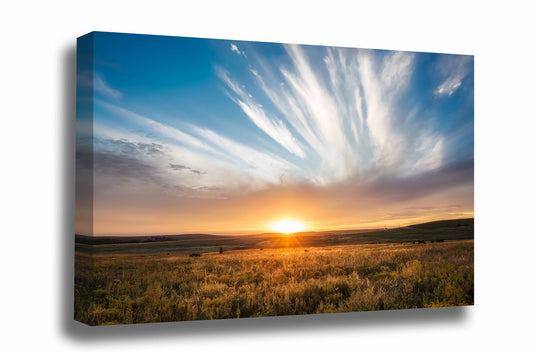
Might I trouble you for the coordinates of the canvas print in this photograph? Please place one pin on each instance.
(222, 179)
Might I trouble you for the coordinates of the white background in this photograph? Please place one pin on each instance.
(37, 43)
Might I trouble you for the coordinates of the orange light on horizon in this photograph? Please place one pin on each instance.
(287, 226)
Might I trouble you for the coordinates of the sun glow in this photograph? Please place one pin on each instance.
(287, 226)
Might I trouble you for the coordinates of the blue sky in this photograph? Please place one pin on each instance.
(210, 123)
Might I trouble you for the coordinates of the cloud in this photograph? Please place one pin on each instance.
(273, 127)
(339, 115)
(444, 193)
(397, 69)
(214, 160)
(235, 49)
(350, 145)
(386, 141)
(175, 134)
(129, 169)
(344, 111)
(391, 188)
(449, 86)
(314, 104)
(126, 159)
(103, 88)
(109, 163)
(453, 68)
(96, 82)
(133, 148)
(177, 167)
(260, 165)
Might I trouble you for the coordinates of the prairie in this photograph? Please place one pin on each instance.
(142, 288)
(458, 229)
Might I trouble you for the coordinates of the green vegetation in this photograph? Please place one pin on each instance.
(272, 282)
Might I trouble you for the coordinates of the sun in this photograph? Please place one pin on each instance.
(287, 226)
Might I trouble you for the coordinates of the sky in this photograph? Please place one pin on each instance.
(187, 135)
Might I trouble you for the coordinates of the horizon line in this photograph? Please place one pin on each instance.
(224, 233)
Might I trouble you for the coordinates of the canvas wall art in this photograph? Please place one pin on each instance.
(221, 179)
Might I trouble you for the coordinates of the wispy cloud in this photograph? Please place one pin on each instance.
(337, 136)
(97, 82)
(215, 160)
(317, 107)
(273, 127)
(449, 86)
(396, 71)
(338, 116)
(101, 86)
(260, 165)
(453, 69)
(172, 133)
(345, 112)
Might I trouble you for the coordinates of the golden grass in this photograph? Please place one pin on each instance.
(274, 282)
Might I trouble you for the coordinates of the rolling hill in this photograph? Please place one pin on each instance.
(436, 231)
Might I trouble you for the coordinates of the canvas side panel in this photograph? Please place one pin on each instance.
(84, 135)
(84, 261)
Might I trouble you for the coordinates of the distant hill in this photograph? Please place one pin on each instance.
(435, 231)
(456, 229)
(101, 240)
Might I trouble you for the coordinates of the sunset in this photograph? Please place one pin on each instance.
(287, 226)
(226, 179)
(196, 135)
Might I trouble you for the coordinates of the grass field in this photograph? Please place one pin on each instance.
(120, 289)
